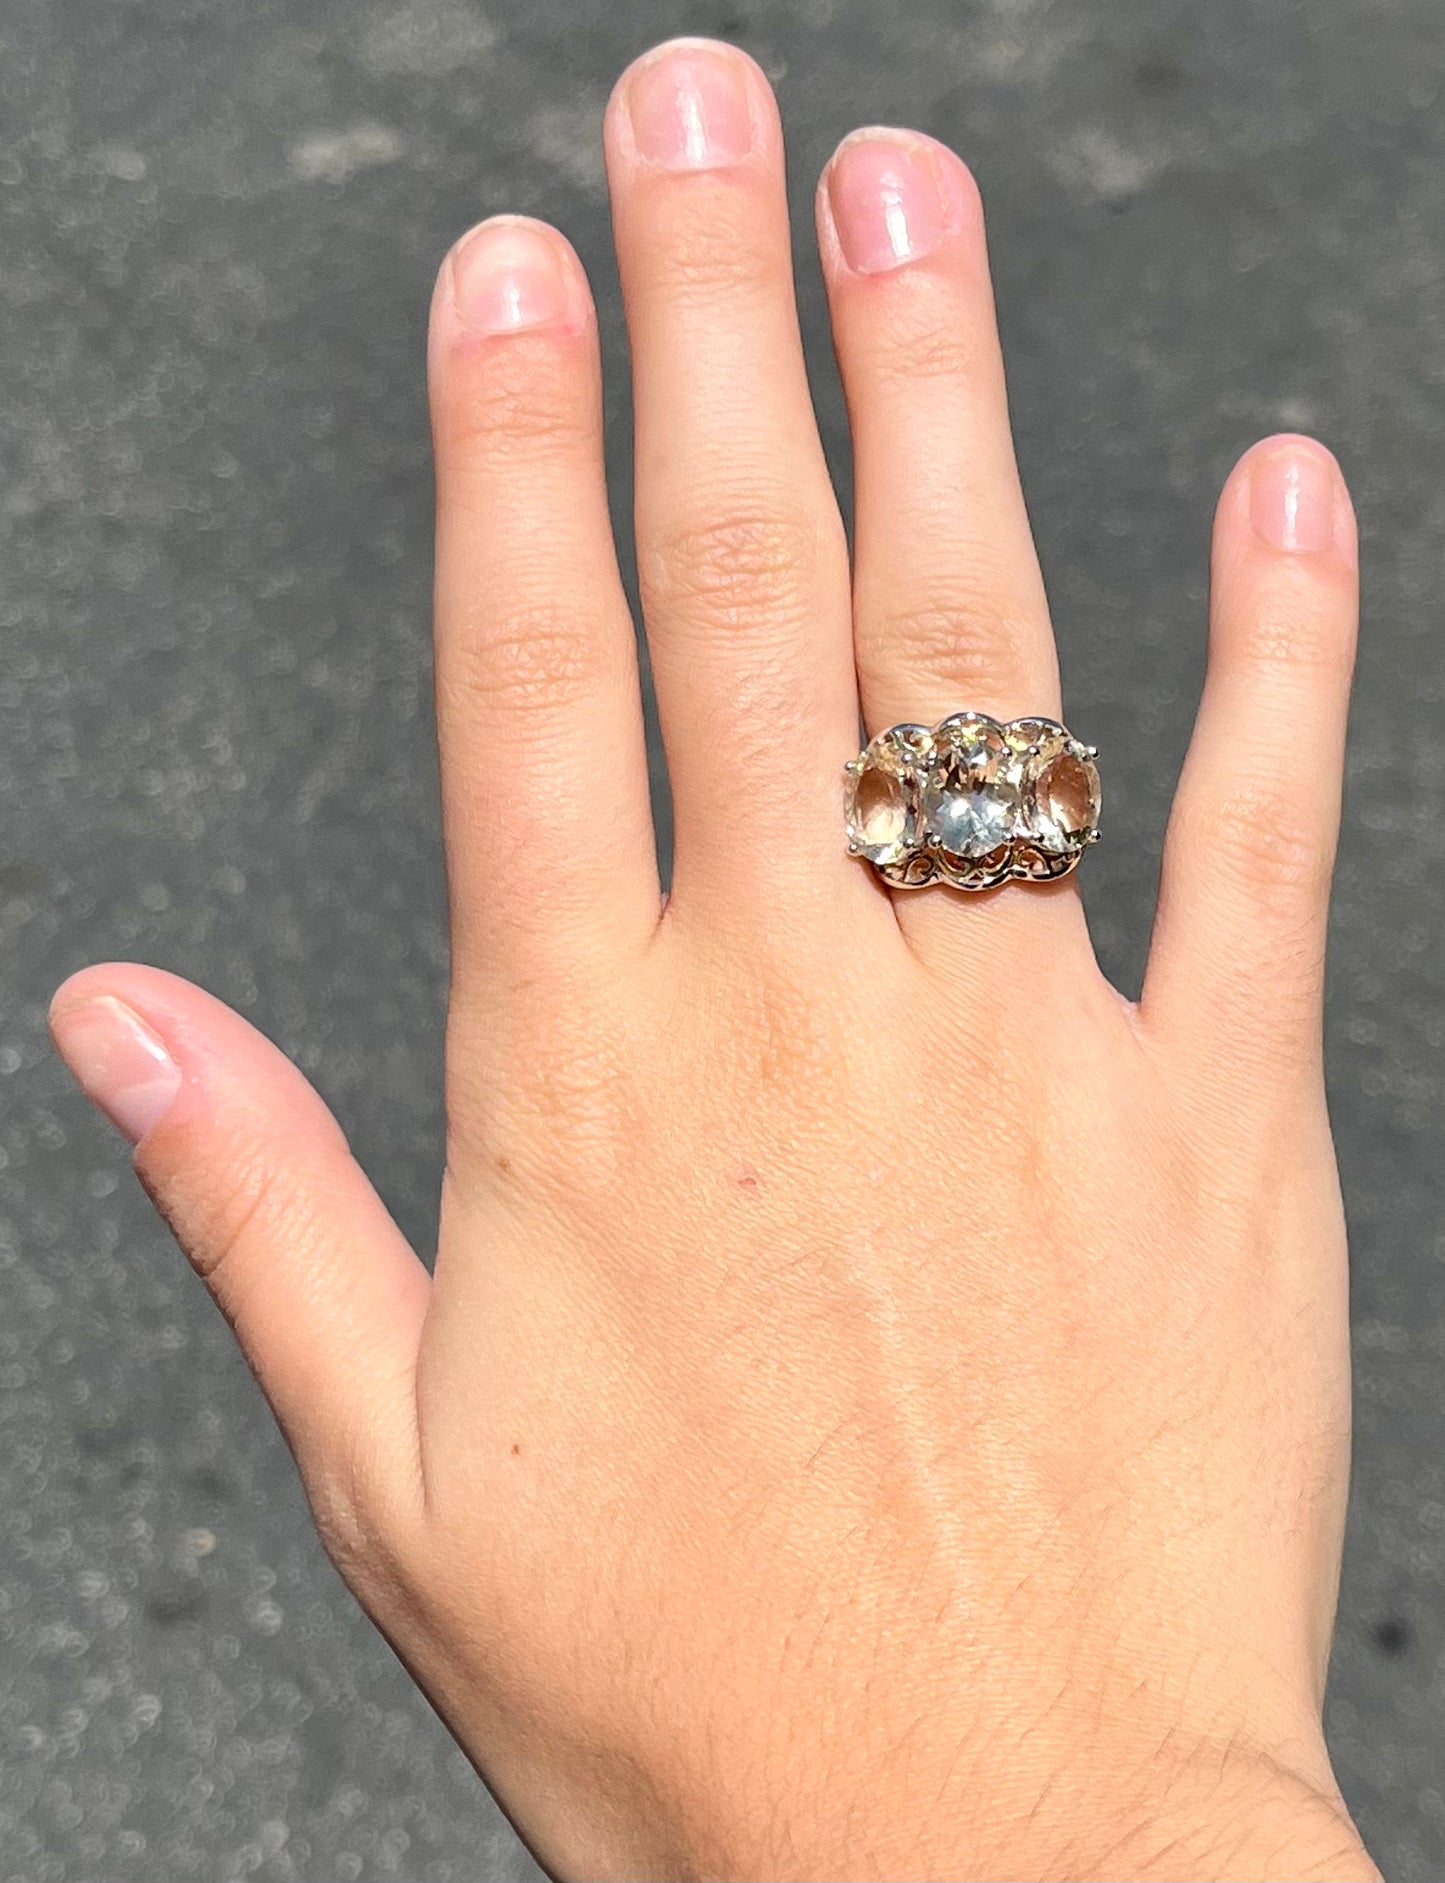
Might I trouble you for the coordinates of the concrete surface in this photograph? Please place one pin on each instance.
(218, 226)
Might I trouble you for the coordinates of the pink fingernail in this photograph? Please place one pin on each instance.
(1294, 495)
(507, 276)
(885, 202)
(119, 1063)
(691, 108)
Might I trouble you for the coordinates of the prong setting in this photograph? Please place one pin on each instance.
(973, 802)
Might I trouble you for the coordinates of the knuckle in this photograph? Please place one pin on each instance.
(581, 1095)
(1289, 628)
(929, 345)
(360, 1529)
(1272, 844)
(718, 256)
(723, 567)
(221, 1213)
(974, 637)
(524, 398)
(565, 1125)
(534, 659)
(786, 1038)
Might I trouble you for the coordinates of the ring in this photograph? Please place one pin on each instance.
(973, 802)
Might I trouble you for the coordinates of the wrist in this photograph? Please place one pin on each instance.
(1228, 1817)
(1269, 1827)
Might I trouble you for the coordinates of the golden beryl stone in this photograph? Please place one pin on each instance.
(882, 798)
(1060, 790)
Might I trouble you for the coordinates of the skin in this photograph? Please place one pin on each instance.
(881, 1406)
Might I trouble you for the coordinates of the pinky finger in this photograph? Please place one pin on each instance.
(1237, 963)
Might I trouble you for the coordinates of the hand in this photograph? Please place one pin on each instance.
(881, 1409)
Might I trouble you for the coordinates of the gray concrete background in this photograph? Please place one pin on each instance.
(218, 227)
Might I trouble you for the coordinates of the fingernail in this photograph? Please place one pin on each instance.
(1293, 499)
(885, 203)
(507, 276)
(690, 109)
(119, 1063)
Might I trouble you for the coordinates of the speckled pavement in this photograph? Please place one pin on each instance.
(218, 228)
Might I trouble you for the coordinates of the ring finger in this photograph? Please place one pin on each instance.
(949, 603)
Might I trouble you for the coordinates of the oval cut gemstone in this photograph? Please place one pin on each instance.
(971, 798)
(882, 807)
(966, 820)
(1063, 792)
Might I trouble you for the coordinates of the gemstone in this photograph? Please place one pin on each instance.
(1024, 734)
(882, 804)
(1061, 795)
(971, 798)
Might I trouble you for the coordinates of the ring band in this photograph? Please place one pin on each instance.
(973, 801)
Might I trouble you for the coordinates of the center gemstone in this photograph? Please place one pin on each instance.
(966, 821)
(971, 798)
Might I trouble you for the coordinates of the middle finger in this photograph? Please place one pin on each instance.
(742, 558)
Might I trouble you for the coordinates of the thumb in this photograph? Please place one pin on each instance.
(253, 1174)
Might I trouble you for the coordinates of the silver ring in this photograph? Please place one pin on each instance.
(973, 801)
